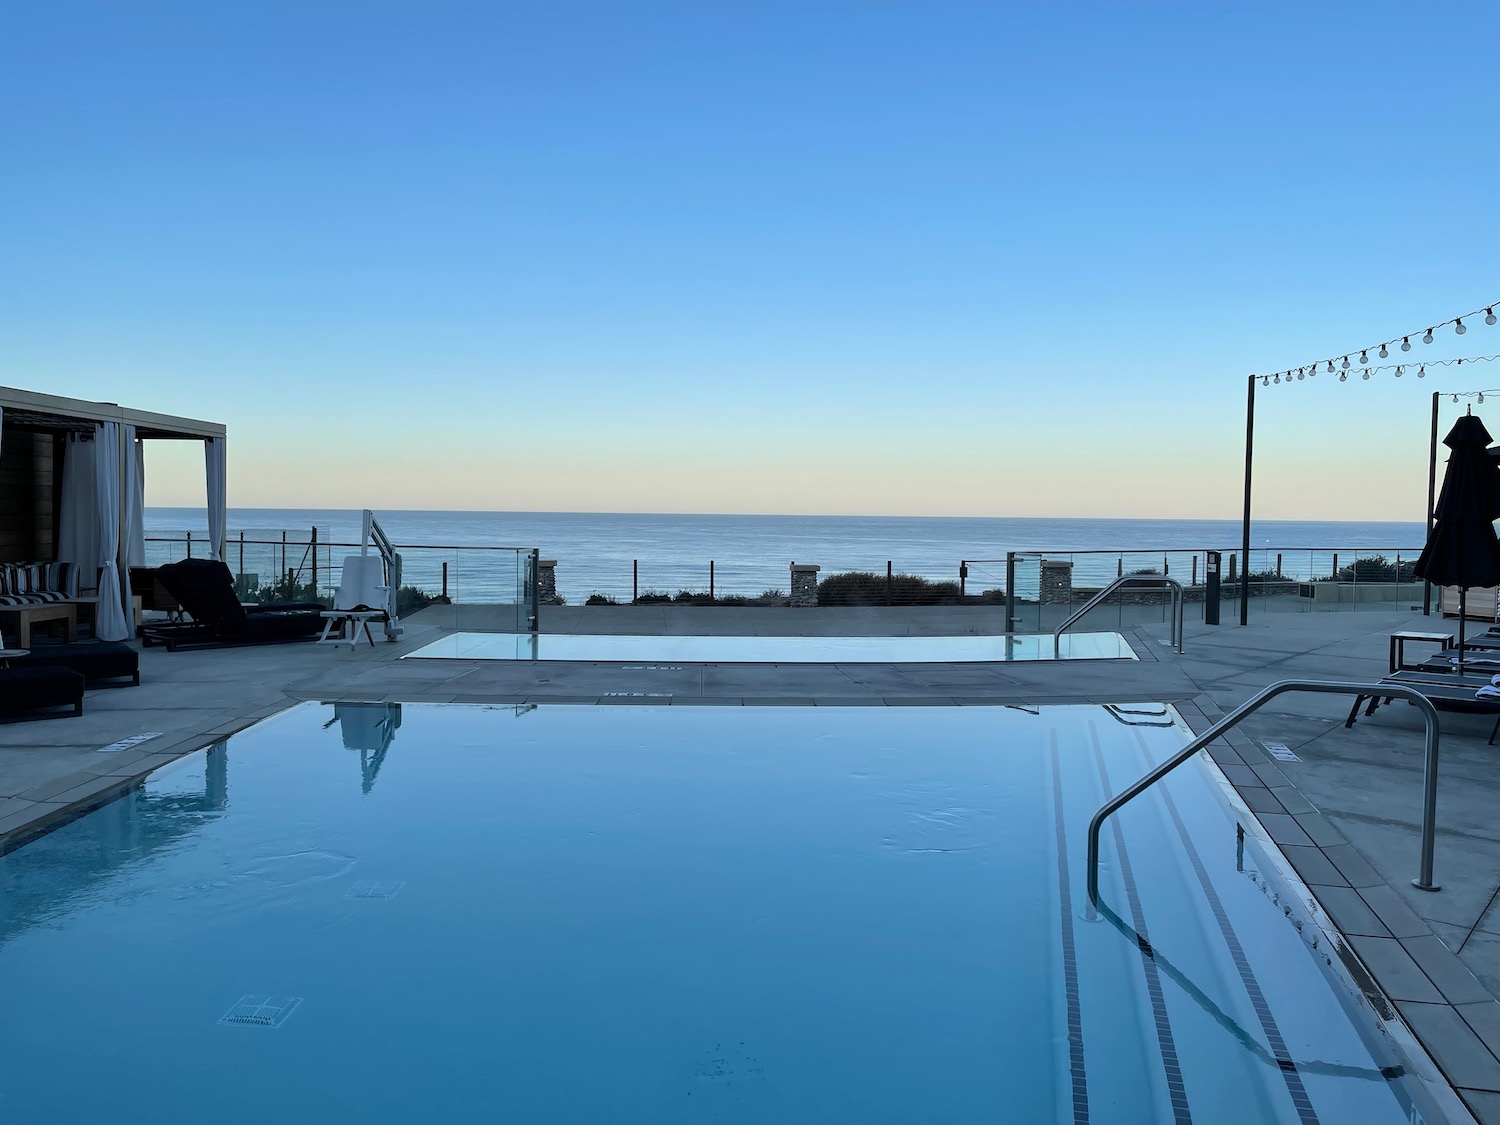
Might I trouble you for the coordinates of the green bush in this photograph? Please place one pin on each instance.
(652, 597)
(860, 587)
(409, 599)
(1375, 568)
(600, 599)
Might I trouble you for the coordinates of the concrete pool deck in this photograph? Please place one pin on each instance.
(1346, 813)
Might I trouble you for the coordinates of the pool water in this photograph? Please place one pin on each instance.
(775, 650)
(382, 913)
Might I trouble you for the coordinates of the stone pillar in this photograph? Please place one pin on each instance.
(1057, 582)
(804, 585)
(546, 582)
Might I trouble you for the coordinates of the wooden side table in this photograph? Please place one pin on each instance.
(1398, 647)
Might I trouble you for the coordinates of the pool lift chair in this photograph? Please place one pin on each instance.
(370, 582)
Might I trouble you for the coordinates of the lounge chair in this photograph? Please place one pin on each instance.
(205, 589)
(1446, 691)
(28, 692)
(96, 662)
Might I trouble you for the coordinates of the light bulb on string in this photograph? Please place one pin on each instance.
(1300, 376)
(1427, 337)
(1399, 369)
(1383, 352)
(1458, 326)
(1343, 376)
(1278, 376)
(1489, 316)
(1406, 343)
(1422, 372)
(1265, 380)
(1455, 398)
(1363, 358)
(1330, 367)
(1481, 398)
(1345, 364)
(1366, 376)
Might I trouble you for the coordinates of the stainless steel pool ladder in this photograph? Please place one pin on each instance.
(1156, 580)
(1233, 719)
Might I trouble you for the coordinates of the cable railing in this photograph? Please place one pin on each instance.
(302, 566)
(272, 562)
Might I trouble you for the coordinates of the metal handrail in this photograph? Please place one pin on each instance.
(1130, 580)
(1231, 720)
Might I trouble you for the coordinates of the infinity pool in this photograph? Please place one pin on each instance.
(373, 913)
(773, 650)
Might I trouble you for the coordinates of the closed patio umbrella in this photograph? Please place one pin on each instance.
(1462, 549)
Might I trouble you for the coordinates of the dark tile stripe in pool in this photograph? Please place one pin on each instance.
(1176, 1087)
(1076, 1067)
(1284, 1061)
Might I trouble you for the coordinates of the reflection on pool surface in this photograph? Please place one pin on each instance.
(774, 650)
(375, 913)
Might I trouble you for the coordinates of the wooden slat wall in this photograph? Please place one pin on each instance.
(29, 475)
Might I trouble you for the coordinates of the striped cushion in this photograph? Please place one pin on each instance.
(32, 583)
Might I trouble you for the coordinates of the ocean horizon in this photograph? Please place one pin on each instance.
(615, 553)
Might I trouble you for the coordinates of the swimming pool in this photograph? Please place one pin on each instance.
(773, 650)
(384, 913)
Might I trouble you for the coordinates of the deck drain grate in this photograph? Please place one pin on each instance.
(375, 890)
(128, 743)
(261, 1011)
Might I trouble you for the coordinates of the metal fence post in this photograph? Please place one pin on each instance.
(710, 579)
(1010, 591)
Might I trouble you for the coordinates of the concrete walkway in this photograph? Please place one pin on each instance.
(1346, 813)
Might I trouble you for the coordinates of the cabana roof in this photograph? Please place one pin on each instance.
(32, 410)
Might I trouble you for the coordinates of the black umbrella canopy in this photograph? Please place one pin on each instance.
(1462, 549)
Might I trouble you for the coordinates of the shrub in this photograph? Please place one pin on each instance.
(860, 587)
(1375, 568)
(652, 597)
(409, 599)
(600, 599)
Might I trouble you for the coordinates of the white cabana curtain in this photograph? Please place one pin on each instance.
(213, 454)
(134, 547)
(110, 624)
(77, 518)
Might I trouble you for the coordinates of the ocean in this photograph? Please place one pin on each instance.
(616, 554)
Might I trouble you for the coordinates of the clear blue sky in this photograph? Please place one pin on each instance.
(920, 258)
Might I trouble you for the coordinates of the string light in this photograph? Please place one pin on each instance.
(1481, 398)
(1396, 369)
(1383, 348)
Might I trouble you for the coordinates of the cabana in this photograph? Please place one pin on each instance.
(72, 490)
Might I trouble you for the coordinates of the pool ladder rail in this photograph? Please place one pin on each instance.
(1235, 717)
(1156, 581)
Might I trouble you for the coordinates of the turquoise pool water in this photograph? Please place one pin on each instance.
(382, 913)
(773, 650)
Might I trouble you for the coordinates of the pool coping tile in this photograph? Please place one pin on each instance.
(1459, 1052)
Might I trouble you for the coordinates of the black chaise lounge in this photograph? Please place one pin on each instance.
(99, 662)
(24, 691)
(1446, 691)
(205, 590)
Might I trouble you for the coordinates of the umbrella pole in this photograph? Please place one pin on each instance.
(1463, 605)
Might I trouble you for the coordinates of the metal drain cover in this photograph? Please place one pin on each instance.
(374, 890)
(261, 1011)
